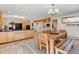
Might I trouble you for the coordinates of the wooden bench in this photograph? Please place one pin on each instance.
(64, 46)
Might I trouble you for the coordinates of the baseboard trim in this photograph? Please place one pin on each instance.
(15, 41)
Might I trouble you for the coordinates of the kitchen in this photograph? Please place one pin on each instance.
(13, 30)
(26, 29)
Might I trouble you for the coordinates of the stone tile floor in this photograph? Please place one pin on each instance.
(21, 47)
(28, 46)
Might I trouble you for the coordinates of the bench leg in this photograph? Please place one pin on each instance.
(59, 50)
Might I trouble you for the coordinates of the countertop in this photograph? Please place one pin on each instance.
(15, 30)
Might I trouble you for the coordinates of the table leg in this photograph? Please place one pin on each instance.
(52, 46)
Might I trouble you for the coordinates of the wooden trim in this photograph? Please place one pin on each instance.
(15, 41)
(52, 46)
(43, 20)
(59, 50)
(61, 43)
(68, 17)
(69, 22)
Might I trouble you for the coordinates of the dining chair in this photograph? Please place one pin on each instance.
(43, 41)
(63, 31)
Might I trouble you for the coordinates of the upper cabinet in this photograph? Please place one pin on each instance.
(1, 19)
(70, 20)
(24, 24)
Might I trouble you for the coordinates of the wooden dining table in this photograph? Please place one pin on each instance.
(52, 39)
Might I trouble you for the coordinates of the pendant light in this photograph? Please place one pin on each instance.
(53, 10)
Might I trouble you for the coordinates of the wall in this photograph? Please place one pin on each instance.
(41, 26)
(73, 30)
(24, 22)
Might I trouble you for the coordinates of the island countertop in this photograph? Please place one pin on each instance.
(15, 30)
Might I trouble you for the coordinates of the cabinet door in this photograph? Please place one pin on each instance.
(19, 35)
(29, 34)
(22, 34)
(10, 36)
(2, 20)
(2, 37)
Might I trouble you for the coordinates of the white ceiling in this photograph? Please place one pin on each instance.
(37, 10)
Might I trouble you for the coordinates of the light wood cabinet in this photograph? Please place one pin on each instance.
(2, 19)
(24, 23)
(15, 35)
(29, 33)
(3, 37)
(10, 36)
(19, 35)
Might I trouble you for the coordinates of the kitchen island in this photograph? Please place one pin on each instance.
(11, 36)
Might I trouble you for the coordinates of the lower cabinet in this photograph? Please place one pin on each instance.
(3, 37)
(18, 35)
(29, 34)
(15, 35)
(10, 36)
